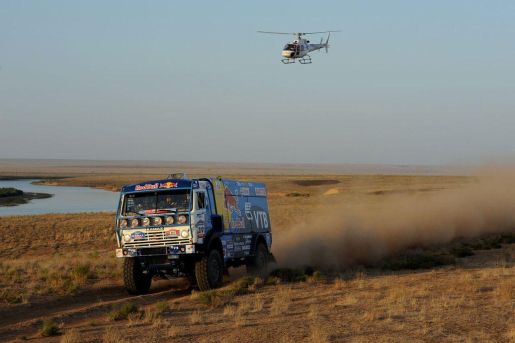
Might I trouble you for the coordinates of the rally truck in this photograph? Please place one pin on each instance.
(194, 228)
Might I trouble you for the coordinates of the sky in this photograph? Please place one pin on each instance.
(405, 82)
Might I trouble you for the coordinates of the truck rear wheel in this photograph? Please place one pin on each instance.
(258, 265)
(209, 271)
(135, 281)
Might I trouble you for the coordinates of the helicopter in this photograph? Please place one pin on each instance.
(300, 47)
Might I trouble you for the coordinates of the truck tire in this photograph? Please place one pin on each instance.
(258, 264)
(134, 280)
(209, 271)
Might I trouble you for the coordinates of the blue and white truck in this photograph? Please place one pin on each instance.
(194, 228)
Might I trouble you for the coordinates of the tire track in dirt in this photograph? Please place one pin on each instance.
(26, 319)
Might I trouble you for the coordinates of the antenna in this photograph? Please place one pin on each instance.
(177, 176)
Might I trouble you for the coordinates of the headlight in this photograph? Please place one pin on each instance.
(156, 221)
(126, 237)
(184, 233)
(169, 220)
(145, 221)
(122, 224)
(134, 222)
(182, 219)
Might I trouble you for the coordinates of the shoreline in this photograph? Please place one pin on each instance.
(26, 197)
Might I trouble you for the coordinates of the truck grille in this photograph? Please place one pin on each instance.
(156, 239)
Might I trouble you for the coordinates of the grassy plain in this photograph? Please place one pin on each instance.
(58, 274)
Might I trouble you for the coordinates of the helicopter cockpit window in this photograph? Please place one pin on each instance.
(290, 47)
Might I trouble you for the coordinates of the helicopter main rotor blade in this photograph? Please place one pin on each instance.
(278, 33)
(312, 33)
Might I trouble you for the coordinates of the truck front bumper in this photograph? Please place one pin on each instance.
(172, 251)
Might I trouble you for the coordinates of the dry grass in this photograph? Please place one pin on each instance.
(318, 334)
(196, 317)
(240, 318)
(440, 305)
(171, 331)
(281, 301)
(55, 254)
(71, 336)
(258, 302)
(113, 335)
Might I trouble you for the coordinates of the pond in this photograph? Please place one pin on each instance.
(64, 199)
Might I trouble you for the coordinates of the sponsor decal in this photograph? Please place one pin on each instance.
(138, 235)
(168, 185)
(146, 186)
(195, 184)
(260, 191)
(244, 191)
(190, 249)
(260, 217)
(172, 232)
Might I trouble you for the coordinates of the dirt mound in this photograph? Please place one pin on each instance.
(315, 182)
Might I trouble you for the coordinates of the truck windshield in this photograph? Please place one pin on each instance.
(156, 202)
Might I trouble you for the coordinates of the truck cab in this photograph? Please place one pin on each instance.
(194, 228)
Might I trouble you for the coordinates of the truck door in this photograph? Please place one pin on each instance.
(201, 213)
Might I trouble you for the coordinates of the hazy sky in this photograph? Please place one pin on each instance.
(407, 82)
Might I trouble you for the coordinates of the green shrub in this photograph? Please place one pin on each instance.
(316, 277)
(9, 192)
(217, 297)
(242, 285)
(418, 259)
(289, 275)
(508, 238)
(123, 312)
(462, 251)
(49, 328)
(161, 307)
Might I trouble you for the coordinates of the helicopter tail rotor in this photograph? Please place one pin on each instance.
(327, 43)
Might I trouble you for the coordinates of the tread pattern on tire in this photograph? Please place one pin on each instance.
(201, 272)
(252, 267)
(134, 284)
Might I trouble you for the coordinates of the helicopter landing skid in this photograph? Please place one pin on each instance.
(288, 60)
(305, 60)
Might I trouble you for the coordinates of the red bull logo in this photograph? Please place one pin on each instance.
(168, 185)
(146, 187)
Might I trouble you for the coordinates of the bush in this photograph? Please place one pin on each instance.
(289, 275)
(162, 307)
(316, 277)
(418, 260)
(508, 238)
(123, 312)
(216, 297)
(462, 251)
(49, 328)
(10, 192)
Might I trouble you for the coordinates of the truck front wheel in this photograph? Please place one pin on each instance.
(209, 271)
(258, 265)
(135, 281)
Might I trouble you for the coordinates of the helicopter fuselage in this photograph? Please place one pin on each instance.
(299, 48)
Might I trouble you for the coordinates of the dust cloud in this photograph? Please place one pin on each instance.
(347, 234)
